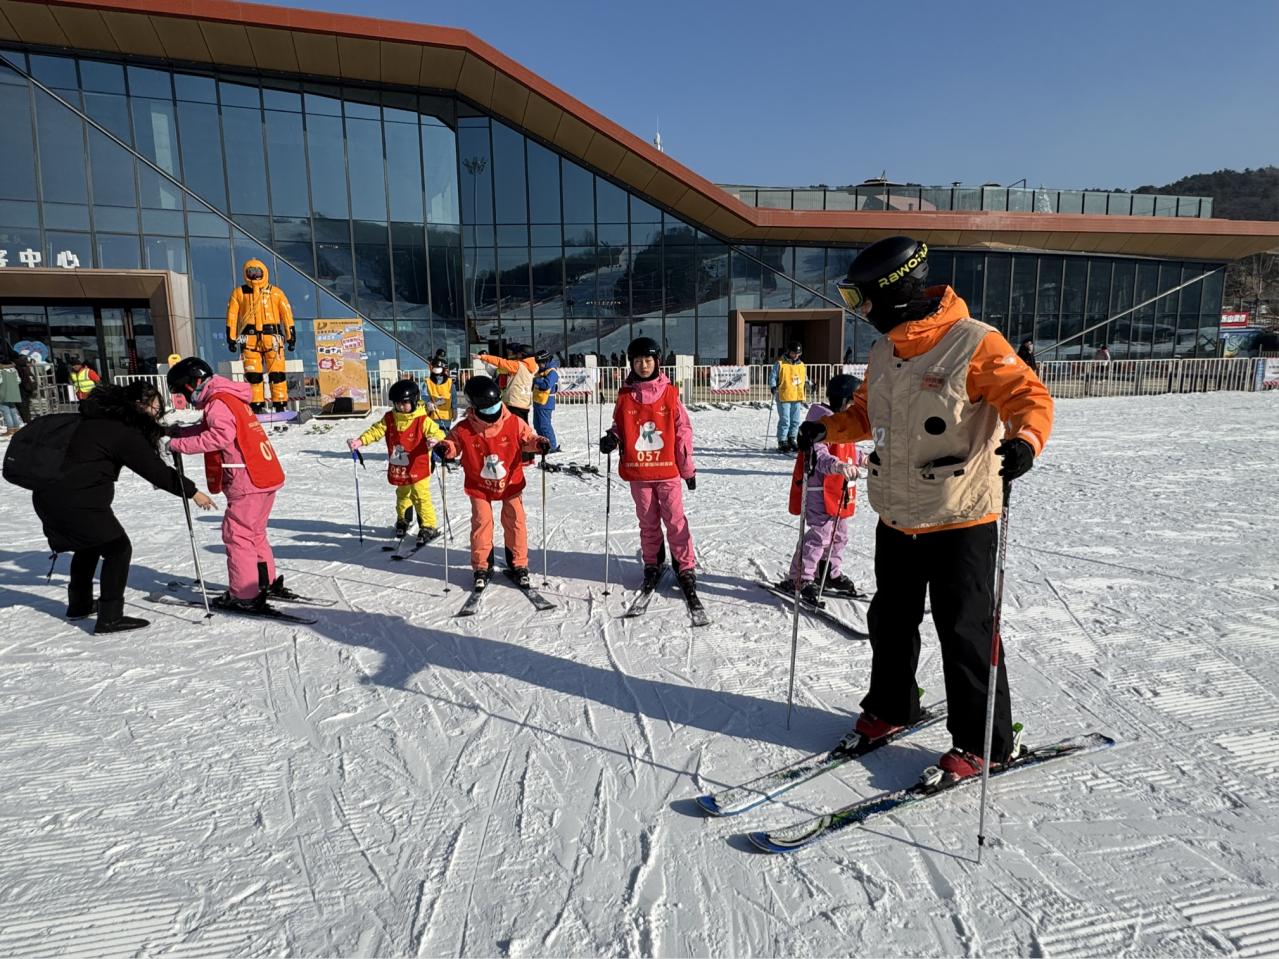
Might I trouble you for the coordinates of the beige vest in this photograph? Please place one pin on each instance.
(934, 462)
(519, 388)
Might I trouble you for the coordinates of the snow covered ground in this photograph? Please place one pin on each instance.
(397, 781)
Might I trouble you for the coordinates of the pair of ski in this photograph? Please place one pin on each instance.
(822, 611)
(931, 783)
(639, 605)
(473, 601)
(265, 611)
(398, 550)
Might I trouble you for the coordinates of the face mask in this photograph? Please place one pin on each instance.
(492, 410)
(198, 392)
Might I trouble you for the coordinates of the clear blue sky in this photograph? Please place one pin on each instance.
(1070, 95)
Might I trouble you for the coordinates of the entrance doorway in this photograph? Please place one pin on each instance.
(115, 339)
(760, 336)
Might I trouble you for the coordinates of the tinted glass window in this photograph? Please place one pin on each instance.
(404, 171)
(477, 169)
(287, 166)
(145, 82)
(201, 140)
(579, 194)
(328, 166)
(610, 202)
(102, 77)
(112, 111)
(239, 95)
(195, 88)
(543, 184)
(17, 172)
(509, 182)
(246, 162)
(112, 168)
(156, 133)
(365, 164)
(439, 151)
(62, 151)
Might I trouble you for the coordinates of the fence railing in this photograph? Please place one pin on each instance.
(1064, 378)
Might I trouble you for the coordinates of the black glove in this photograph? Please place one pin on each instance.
(527, 457)
(232, 345)
(608, 443)
(773, 390)
(809, 433)
(1018, 456)
(543, 445)
(293, 342)
(691, 482)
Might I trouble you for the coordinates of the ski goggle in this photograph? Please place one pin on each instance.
(253, 273)
(852, 295)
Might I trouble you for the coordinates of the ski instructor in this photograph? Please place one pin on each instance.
(939, 389)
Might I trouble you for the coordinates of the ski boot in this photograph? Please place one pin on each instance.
(841, 585)
(688, 584)
(867, 729)
(652, 573)
(277, 590)
(280, 407)
(482, 577)
(960, 764)
(82, 609)
(426, 534)
(520, 576)
(783, 447)
(401, 528)
(226, 601)
(257, 408)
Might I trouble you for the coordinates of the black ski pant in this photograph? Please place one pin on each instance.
(115, 557)
(956, 568)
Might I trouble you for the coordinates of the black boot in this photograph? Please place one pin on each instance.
(258, 407)
(427, 534)
(280, 407)
(520, 577)
(652, 573)
(401, 528)
(688, 582)
(111, 618)
(81, 605)
(482, 577)
(227, 601)
(277, 590)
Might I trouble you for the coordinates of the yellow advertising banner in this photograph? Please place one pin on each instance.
(343, 366)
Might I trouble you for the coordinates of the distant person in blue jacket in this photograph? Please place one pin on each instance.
(545, 385)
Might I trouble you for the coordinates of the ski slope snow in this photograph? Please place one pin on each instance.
(396, 781)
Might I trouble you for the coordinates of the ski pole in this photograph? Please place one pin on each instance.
(448, 533)
(768, 427)
(359, 512)
(608, 511)
(195, 553)
(995, 643)
(545, 581)
(834, 534)
(809, 463)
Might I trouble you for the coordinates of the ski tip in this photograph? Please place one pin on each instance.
(708, 805)
(763, 843)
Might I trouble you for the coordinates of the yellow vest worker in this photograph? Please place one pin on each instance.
(259, 321)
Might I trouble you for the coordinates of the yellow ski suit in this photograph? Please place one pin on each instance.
(419, 493)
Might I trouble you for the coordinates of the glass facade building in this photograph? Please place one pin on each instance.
(445, 227)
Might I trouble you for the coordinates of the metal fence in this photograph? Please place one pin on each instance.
(1065, 379)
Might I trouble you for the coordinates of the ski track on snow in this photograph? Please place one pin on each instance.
(394, 780)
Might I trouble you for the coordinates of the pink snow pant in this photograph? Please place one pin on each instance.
(658, 503)
(244, 534)
(819, 528)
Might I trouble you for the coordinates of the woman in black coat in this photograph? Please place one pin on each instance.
(1027, 355)
(120, 428)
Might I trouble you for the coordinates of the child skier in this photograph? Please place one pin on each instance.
(240, 462)
(441, 395)
(493, 444)
(520, 366)
(653, 432)
(832, 499)
(409, 433)
(545, 387)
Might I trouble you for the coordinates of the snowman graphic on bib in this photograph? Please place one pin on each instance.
(649, 439)
(493, 468)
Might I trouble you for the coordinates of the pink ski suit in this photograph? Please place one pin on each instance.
(661, 502)
(824, 534)
(247, 507)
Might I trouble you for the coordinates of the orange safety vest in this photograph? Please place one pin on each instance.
(493, 467)
(646, 450)
(408, 454)
(260, 461)
(832, 484)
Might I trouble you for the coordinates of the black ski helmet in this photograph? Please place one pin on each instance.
(892, 273)
(840, 389)
(186, 375)
(795, 346)
(482, 392)
(404, 391)
(644, 346)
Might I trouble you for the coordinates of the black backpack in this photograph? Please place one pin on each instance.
(36, 452)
